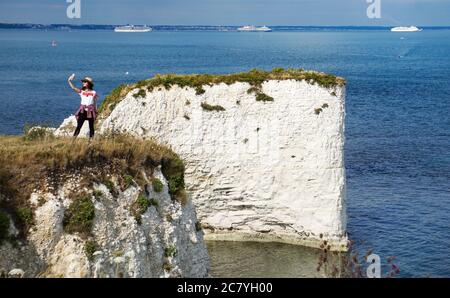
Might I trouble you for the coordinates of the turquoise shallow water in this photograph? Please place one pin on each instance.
(397, 121)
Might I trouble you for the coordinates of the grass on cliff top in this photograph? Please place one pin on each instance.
(254, 77)
(25, 165)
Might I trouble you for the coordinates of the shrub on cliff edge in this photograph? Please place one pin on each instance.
(79, 217)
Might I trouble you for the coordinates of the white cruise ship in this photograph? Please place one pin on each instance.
(254, 29)
(406, 29)
(131, 28)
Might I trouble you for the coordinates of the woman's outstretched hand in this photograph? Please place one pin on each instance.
(70, 79)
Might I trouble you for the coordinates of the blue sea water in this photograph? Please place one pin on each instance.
(397, 110)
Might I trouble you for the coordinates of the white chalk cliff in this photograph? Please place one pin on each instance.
(167, 242)
(255, 170)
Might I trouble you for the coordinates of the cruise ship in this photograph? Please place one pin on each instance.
(406, 29)
(131, 28)
(254, 29)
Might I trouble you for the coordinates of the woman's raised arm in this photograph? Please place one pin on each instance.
(69, 80)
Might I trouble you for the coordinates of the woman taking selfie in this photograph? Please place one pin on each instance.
(88, 106)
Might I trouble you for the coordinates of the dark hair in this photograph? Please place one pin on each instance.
(91, 86)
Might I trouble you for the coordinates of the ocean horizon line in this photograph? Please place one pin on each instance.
(57, 26)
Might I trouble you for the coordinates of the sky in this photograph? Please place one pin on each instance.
(229, 12)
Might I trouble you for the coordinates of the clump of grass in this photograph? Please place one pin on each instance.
(173, 171)
(170, 251)
(140, 206)
(37, 132)
(90, 247)
(253, 89)
(140, 93)
(98, 194)
(79, 217)
(320, 110)
(128, 181)
(112, 99)
(4, 226)
(167, 266)
(110, 186)
(208, 107)
(263, 97)
(25, 215)
(260, 96)
(254, 77)
(157, 185)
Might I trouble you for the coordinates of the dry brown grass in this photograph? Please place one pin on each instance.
(28, 165)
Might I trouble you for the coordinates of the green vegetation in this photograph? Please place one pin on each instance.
(157, 185)
(170, 251)
(260, 96)
(208, 107)
(140, 206)
(254, 77)
(253, 89)
(24, 164)
(128, 181)
(167, 266)
(79, 217)
(140, 93)
(98, 194)
(89, 248)
(319, 110)
(110, 186)
(263, 97)
(4, 226)
(37, 132)
(25, 215)
(173, 171)
(111, 100)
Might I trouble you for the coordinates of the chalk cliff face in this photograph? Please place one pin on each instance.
(165, 242)
(256, 170)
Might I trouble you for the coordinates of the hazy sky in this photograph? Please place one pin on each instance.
(228, 12)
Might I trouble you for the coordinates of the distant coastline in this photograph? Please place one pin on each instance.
(68, 27)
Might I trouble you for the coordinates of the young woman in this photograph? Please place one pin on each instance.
(88, 106)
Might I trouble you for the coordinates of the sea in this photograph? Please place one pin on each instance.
(397, 127)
